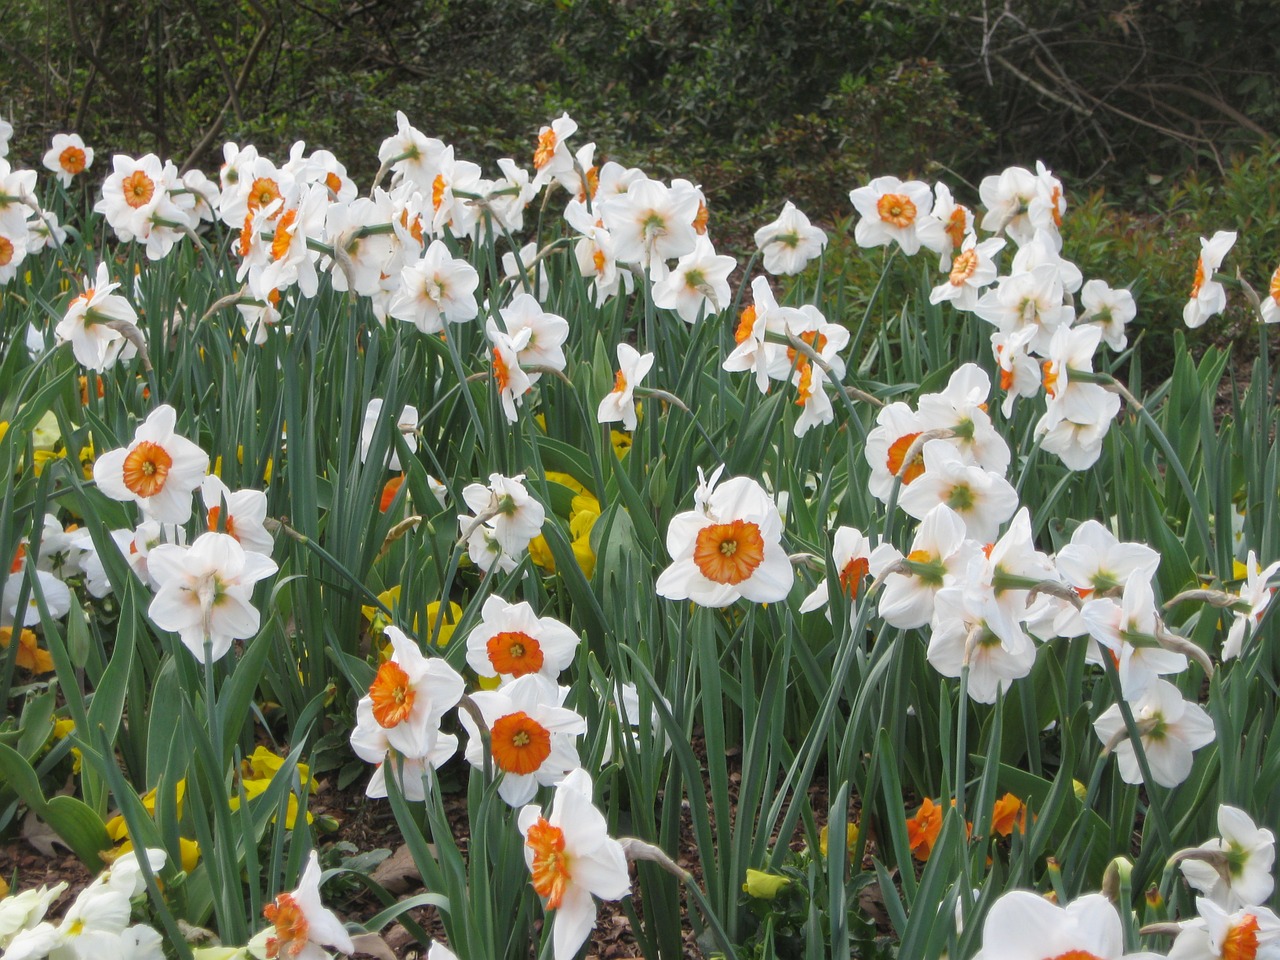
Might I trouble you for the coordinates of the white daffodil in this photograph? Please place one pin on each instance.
(891, 210)
(1022, 925)
(1246, 853)
(1256, 593)
(505, 507)
(1112, 310)
(205, 593)
(790, 242)
(730, 547)
(241, 514)
(619, 403)
(301, 926)
(406, 424)
(511, 642)
(572, 858)
(983, 499)
(159, 470)
(1170, 728)
(68, 157)
(1208, 297)
(851, 556)
(1127, 631)
(92, 324)
(699, 284)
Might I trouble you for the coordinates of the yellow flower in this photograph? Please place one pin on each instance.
(1239, 571)
(63, 729)
(4, 886)
(87, 456)
(449, 624)
(851, 838)
(1079, 790)
(585, 556)
(116, 828)
(4, 428)
(262, 764)
(30, 656)
(266, 471)
(378, 621)
(188, 849)
(762, 885)
(488, 683)
(567, 480)
(540, 553)
(256, 787)
(621, 443)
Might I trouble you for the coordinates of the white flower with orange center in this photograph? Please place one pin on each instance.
(851, 556)
(131, 194)
(888, 444)
(891, 210)
(972, 269)
(1022, 925)
(96, 322)
(512, 642)
(956, 220)
(509, 378)
(1248, 933)
(68, 157)
(1096, 563)
(301, 926)
(1208, 296)
(572, 858)
(405, 703)
(205, 592)
(159, 470)
(940, 553)
(241, 514)
(13, 249)
(619, 403)
(531, 735)
(751, 327)
(730, 547)
(551, 156)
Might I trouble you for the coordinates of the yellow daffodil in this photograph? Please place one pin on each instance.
(378, 620)
(540, 554)
(447, 626)
(63, 729)
(764, 886)
(851, 838)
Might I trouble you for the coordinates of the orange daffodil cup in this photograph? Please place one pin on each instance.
(728, 547)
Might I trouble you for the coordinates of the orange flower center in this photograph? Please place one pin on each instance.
(1006, 379)
(214, 514)
(729, 552)
(804, 389)
(72, 160)
(389, 492)
(1275, 286)
(284, 235)
(138, 189)
(6, 251)
(1055, 202)
(392, 695)
(593, 184)
(18, 560)
(1198, 281)
(546, 148)
(333, 182)
(146, 468)
(814, 339)
(515, 653)
(963, 267)
(852, 574)
(246, 236)
(1075, 955)
(550, 862)
(898, 453)
(897, 209)
(500, 370)
(1050, 377)
(746, 323)
(619, 382)
(700, 218)
(291, 927)
(1241, 941)
(263, 193)
(955, 226)
(437, 191)
(598, 259)
(520, 744)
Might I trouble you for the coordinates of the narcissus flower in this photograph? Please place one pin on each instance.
(301, 925)
(1248, 933)
(1022, 925)
(699, 284)
(1207, 296)
(159, 470)
(619, 403)
(507, 509)
(205, 592)
(511, 641)
(241, 514)
(790, 242)
(1170, 728)
(531, 735)
(891, 210)
(572, 857)
(763, 885)
(983, 499)
(406, 425)
(436, 289)
(1255, 597)
(410, 694)
(727, 548)
(851, 553)
(1247, 853)
(68, 157)
(1110, 309)
(93, 322)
